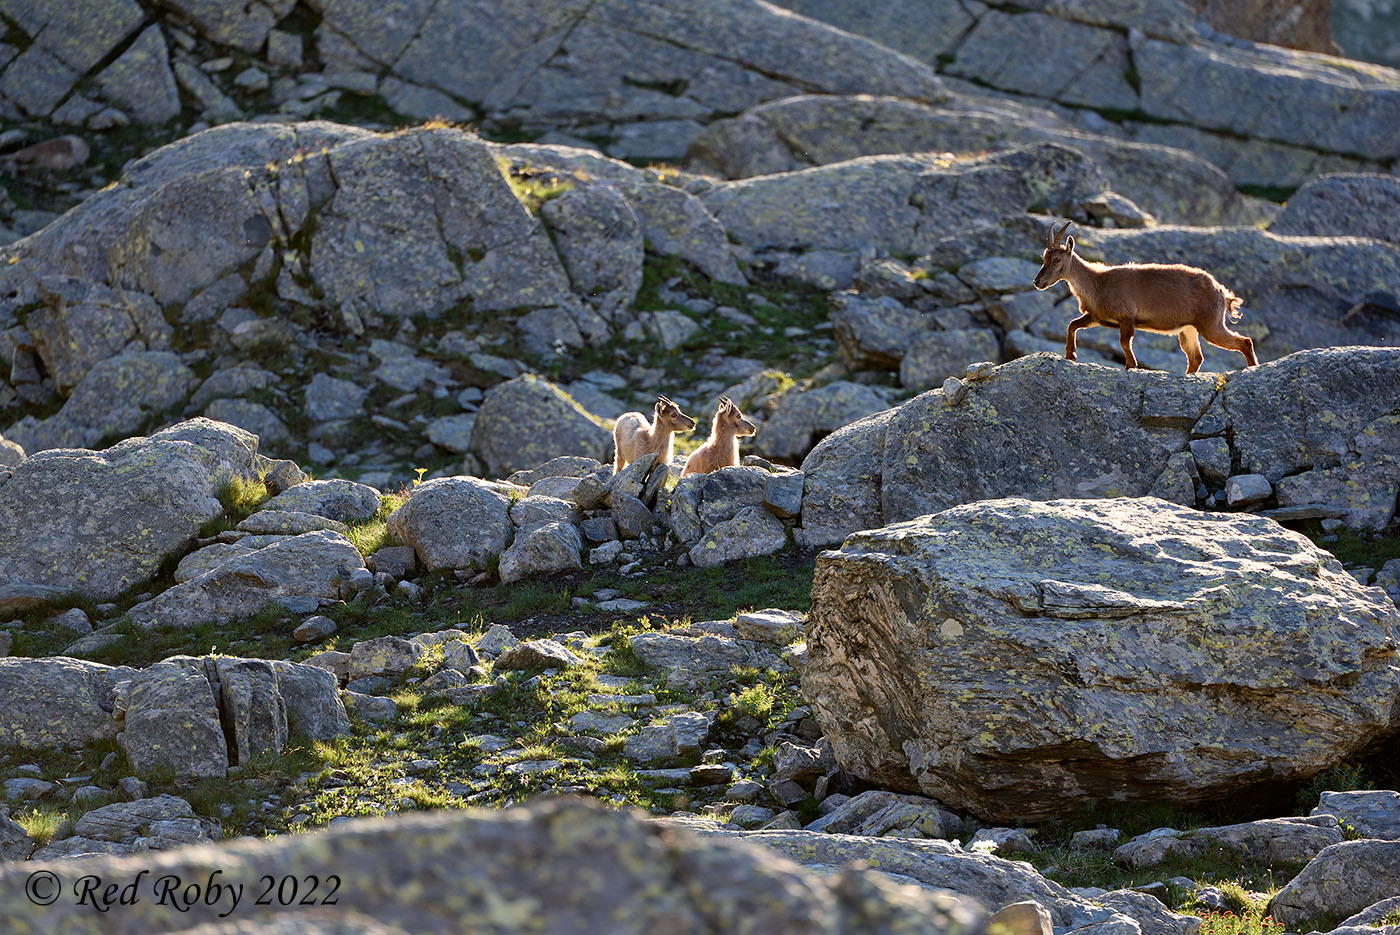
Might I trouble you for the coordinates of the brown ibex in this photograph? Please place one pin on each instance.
(1167, 298)
(634, 436)
(722, 448)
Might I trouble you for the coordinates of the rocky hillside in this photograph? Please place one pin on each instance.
(315, 321)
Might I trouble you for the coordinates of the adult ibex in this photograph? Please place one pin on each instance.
(1167, 298)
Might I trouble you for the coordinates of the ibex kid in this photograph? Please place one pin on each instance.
(634, 436)
(722, 448)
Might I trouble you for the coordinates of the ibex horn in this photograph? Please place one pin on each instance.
(1060, 234)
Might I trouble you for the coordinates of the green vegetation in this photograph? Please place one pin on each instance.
(777, 305)
(535, 186)
(373, 534)
(41, 822)
(1371, 550)
(240, 499)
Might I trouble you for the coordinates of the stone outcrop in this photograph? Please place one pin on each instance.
(311, 566)
(1042, 427)
(1343, 879)
(1200, 89)
(942, 865)
(58, 702)
(1092, 649)
(184, 716)
(527, 421)
(487, 868)
(1343, 205)
(1173, 185)
(99, 522)
(170, 721)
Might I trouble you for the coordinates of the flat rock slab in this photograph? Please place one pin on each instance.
(309, 566)
(1271, 840)
(1374, 813)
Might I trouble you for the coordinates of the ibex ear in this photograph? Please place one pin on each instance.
(1069, 243)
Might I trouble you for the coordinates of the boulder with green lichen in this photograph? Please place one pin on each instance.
(527, 421)
(1126, 650)
(100, 522)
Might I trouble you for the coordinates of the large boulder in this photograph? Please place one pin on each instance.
(844, 475)
(99, 522)
(1344, 205)
(247, 213)
(673, 221)
(1011, 656)
(604, 870)
(551, 546)
(58, 702)
(902, 204)
(171, 721)
(527, 421)
(1343, 879)
(312, 695)
(311, 566)
(454, 522)
(806, 417)
(251, 706)
(751, 532)
(116, 397)
(1039, 427)
(599, 238)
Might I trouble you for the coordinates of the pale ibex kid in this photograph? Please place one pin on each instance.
(634, 436)
(1167, 298)
(722, 448)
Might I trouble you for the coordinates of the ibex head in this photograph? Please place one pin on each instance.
(732, 420)
(1055, 260)
(669, 415)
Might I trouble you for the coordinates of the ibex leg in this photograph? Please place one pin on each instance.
(1190, 342)
(1221, 336)
(1125, 336)
(1083, 321)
